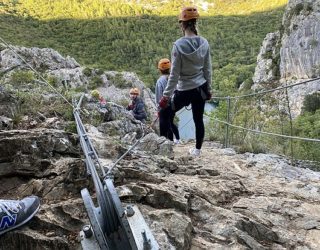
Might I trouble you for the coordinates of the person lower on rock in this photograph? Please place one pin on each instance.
(189, 81)
(137, 105)
(15, 213)
(102, 101)
(166, 115)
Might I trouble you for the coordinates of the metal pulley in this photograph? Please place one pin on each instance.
(111, 226)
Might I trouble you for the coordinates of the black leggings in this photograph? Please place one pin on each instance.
(167, 127)
(193, 96)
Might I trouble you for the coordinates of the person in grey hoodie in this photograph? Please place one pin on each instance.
(190, 74)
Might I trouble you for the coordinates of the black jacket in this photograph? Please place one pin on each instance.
(137, 106)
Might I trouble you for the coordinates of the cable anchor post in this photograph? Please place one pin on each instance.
(226, 138)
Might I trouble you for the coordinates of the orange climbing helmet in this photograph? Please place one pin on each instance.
(164, 64)
(188, 13)
(134, 91)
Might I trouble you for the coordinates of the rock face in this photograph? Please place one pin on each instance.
(45, 163)
(43, 60)
(7, 103)
(119, 91)
(264, 71)
(221, 200)
(293, 54)
(300, 44)
(67, 73)
(40, 59)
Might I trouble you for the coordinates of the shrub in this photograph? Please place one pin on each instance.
(87, 72)
(95, 82)
(311, 103)
(71, 127)
(99, 71)
(16, 119)
(307, 125)
(21, 77)
(53, 81)
(120, 82)
(246, 85)
(123, 102)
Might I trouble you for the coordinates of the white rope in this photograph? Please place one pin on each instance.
(267, 133)
(265, 91)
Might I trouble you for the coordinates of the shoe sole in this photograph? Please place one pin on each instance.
(22, 223)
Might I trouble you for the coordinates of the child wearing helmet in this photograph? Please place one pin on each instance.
(96, 94)
(137, 105)
(166, 115)
(190, 73)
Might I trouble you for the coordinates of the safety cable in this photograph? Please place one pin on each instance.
(186, 123)
(266, 133)
(123, 155)
(265, 91)
(92, 160)
(35, 71)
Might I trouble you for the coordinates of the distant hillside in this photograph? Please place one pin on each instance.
(134, 35)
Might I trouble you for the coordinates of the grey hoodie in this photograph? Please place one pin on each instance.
(190, 65)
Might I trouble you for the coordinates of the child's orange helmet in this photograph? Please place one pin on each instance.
(188, 13)
(164, 64)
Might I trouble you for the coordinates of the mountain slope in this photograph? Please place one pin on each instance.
(134, 35)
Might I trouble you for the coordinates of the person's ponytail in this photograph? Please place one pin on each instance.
(191, 25)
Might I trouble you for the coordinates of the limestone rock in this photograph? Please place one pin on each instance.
(264, 71)
(300, 45)
(175, 227)
(8, 104)
(154, 144)
(231, 201)
(5, 123)
(292, 55)
(39, 59)
(70, 77)
(118, 84)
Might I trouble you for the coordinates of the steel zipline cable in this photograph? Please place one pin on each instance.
(265, 91)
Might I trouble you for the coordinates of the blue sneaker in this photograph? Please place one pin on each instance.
(14, 213)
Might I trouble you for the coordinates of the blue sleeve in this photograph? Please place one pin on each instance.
(159, 91)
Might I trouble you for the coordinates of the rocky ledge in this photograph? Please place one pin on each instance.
(221, 200)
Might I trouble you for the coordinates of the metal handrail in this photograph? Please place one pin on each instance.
(227, 123)
(267, 133)
(264, 91)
